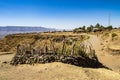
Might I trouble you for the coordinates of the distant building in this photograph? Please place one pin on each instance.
(79, 31)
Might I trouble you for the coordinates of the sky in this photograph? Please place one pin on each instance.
(59, 14)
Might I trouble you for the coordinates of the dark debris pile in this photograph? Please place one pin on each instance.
(32, 57)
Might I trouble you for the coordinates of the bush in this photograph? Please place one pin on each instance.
(114, 35)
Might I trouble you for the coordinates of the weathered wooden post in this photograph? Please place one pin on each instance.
(18, 50)
(73, 48)
(46, 49)
(52, 45)
(63, 47)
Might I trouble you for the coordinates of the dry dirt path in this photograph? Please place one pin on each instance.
(94, 42)
(104, 57)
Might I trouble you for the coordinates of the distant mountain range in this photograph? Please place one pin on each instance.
(25, 28)
(22, 29)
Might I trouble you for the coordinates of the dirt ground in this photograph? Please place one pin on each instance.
(60, 71)
(111, 61)
(54, 71)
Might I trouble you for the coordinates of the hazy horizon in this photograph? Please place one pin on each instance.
(59, 14)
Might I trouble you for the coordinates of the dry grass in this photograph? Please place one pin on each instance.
(10, 42)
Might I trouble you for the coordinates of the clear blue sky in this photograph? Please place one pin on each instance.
(61, 14)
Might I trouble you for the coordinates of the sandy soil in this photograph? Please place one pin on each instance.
(54, 71)
(6, 58)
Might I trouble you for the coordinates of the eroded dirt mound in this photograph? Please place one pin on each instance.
(54, 71)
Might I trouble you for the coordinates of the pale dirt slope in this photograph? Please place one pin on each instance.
(104, 57)
(54, 71)
(94, 42)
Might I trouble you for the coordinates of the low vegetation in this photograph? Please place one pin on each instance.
(92, 28)
(10, 42)
(114, 36)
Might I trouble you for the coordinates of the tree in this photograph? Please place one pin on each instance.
(110, 27)
(80, 28)
(91, 26)
(84, 28)
(101, 28)
(89, 29)
(97, 25)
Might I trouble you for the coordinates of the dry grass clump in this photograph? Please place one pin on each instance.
(10, 42)
(114, 36)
